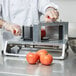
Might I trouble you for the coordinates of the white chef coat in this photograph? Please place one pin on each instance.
(24, 12)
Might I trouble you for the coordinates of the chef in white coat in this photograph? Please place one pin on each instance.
(16, 13)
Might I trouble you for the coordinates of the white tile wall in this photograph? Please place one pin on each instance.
(67, 10)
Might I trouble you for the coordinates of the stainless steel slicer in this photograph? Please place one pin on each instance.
(55, 41)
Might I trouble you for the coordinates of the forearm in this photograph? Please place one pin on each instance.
(1, 23)
(5, 24)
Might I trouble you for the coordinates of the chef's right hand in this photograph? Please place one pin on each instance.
(15, 29)
(51, 14)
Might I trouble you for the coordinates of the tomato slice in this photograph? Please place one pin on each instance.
(48, 17)
(14, 31)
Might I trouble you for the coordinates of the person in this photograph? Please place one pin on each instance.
(16, 13)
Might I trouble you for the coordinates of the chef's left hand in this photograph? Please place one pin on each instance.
(51, 14)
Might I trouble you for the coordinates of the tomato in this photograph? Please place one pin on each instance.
(32, 58)
(46, 59)
(43, 33)
(41, 52)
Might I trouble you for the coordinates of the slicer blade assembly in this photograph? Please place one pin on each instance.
(55, 41)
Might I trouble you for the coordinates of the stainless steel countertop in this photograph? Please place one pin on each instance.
(17, 66)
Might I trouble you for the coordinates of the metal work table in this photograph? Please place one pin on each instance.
(17, 66)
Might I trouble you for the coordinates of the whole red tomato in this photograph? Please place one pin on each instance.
(32, 58)
(41, 52)
(43, 33)
(46, 59)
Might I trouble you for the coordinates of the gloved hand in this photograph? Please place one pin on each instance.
(15, 29)
(51, 14)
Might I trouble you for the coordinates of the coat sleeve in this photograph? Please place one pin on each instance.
(44, 4)
(0, 9)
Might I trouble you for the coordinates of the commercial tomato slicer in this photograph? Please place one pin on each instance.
(55, 41)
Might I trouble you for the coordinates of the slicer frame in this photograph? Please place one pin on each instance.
(37, 42)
